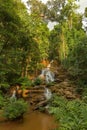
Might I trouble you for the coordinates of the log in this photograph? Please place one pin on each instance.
(37, 100)
(35, 91)
(58, 80)
(39, 87)
(40, 104)
(25, 93)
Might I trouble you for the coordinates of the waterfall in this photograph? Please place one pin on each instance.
(13, 97)
(47, 74)
(47, 93)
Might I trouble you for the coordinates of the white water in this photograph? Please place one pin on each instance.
(47, 94)
(13, 97)
(47, 75)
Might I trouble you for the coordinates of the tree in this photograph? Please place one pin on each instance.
(23, 41)
(67, 42)
(9, 24)
(39, 31)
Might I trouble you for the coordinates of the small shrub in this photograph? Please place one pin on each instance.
(25, 82)
(15, 110)
(38, 81)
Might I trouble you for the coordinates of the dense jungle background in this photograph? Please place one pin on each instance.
(27, 45)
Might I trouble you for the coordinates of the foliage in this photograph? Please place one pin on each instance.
(84, 93)
(54, 9)
(72, 115)
(37, 7)
(24, 81)
(39, 30)
(15, 110)
(68, 43)
(38, 81)
(4, 86)
(60, 10)
(23, 41)
(2, 101)
(78, 60)
(9, 39)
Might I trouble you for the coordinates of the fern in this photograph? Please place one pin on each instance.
(72, 115)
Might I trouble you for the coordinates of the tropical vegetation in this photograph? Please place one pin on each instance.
(26, 40)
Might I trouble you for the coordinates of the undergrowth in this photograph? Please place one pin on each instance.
(71, 115)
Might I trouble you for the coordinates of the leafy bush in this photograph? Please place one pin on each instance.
(38, 81)
(15, 110)
(25, 82)
(72, 115)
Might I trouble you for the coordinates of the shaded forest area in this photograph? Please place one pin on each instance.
(26, 42)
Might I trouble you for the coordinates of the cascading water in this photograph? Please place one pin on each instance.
(49, 77)
(13, 97)
(47, 74)
(47, 94)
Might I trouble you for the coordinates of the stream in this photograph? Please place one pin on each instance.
(32, 121)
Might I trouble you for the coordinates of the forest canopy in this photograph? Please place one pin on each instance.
(25, 39)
